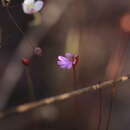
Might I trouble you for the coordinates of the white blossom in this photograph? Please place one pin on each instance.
(32, 6)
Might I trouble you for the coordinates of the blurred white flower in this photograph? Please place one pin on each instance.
(32, 6)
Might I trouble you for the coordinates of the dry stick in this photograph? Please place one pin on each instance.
(33, 105)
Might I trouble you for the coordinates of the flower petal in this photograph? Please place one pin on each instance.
(63, 66)
(25, 9)
(69, 55)
(69, 66)
(60, 63)
(66, 61)
(28, 10)
(66, 65)
(28, 2)
(38, 5)
(62, 58)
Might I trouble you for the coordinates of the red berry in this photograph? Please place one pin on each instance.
(25, 61)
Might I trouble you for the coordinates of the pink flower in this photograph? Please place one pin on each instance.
(68, 61)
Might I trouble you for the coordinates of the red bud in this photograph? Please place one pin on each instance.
(25, 61)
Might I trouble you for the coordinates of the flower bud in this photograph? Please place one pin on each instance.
(25, 61)
(38, 51)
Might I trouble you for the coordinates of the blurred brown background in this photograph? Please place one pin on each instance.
(98, 31)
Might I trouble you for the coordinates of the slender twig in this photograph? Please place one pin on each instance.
(111, 106)
(74, 77)
(100, 110)
(33, 105)
(13, 20)
(75, 87)
(109, 113)
(18, 27)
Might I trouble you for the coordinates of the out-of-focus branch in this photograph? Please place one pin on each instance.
(50, 15)
(62, 97)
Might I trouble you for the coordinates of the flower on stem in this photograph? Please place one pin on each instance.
(68, 61)
(32, 6)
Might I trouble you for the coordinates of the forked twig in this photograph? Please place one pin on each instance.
(29, 106)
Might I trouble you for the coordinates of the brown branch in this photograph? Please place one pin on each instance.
(29, 106)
